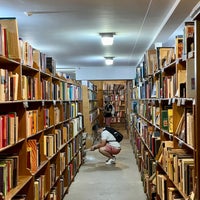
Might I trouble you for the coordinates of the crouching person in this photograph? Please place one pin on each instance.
(108, 146)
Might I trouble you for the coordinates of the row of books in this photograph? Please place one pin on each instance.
(8, 85)
(93, 115)
(90, 85)
(66, 91)
(146, 164)
(40, 187)
(29, 88)
(93, 105)
(164, 119)
(181, 84)
(150, 136)
(8, 129)
(9, 168)
(52, 142)
(160, 57)
(117, 97)
(113, 87)
(70, 110)
(92, 95)
(14, 47)
(179, 166)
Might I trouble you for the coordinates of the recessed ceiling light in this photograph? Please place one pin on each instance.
(107, 38)
(109, 60)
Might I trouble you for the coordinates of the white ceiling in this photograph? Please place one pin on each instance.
(68, 30)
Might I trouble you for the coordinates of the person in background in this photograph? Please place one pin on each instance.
(108, 146)
(108, 112)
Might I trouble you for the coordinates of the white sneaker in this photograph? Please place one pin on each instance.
(110, 161)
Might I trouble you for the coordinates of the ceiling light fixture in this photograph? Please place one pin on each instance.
(109, 60)
(107, 38)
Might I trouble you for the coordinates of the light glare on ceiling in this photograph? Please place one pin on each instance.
(109, 60)
(107, 38)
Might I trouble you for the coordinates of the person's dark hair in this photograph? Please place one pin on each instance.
(95, 127)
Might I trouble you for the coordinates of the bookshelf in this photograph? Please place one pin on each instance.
(116, 92)
(195, 14)
(41, 127)
(163, 122)
(90, 110)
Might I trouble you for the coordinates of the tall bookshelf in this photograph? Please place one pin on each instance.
(195, 14)
(90, 110)
(116, 93)
(164, 130)
(41, 125)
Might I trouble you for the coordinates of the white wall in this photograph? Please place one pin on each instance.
(107, 73)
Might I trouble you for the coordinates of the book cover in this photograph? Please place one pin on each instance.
(170, 120)
(181, 79)
(188, 37)
(179, 46)
(164, 120)
(2, 84)
(152, 62)
(190, 78)
(32, 155)
(12, 37)
(165, 56)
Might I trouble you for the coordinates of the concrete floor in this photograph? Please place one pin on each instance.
(97, 181)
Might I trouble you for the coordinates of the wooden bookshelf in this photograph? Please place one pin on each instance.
(195, 14)
(116, 92)
(164, 123)
(41, 127)
(90, 110)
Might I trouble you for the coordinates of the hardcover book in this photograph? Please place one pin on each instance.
(12, 37)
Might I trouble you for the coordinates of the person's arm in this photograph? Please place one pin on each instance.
(97, 146)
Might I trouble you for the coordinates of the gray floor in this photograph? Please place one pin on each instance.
(97, 181)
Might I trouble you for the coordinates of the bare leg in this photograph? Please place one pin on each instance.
(105, 153)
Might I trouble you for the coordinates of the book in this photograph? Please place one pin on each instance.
(36, 58)
(190, 78)
(180, 130)
(165, 56)
(179, 46)
(152, 63)
(181, 79)
(164, 120)
(51, 65)
(190, 128)
(3, 178)
(12, 37)
(170, 120)
(188, 37)
(32, 157)
(2, 84)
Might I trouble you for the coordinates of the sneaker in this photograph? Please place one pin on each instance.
(110, 161)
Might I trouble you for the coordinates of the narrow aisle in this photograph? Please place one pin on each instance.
(96, 180)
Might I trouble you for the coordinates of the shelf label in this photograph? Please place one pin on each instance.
(179, 102)
(183, 101)
(25, 103)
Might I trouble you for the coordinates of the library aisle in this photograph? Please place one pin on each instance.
(99, 181)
